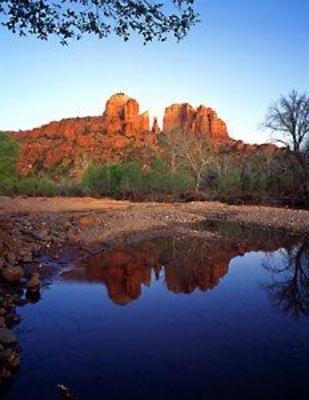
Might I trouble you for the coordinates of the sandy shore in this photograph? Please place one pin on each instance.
(125, 217)
(89, 222)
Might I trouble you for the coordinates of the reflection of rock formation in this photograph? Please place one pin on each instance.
(190, 265)
(122, 271)
(187, 264)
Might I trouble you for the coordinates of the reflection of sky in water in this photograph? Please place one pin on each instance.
(228, 342)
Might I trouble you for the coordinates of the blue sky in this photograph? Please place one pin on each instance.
(243, 55)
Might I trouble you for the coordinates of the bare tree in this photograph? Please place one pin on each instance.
(188, 151)
(72, 19)
(288, 119)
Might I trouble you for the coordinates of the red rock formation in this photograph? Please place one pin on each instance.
(122, 115)
(71, 142)
(144, 122)
(202, 121)
(238, 146)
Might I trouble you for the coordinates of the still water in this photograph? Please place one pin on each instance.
(173, 319)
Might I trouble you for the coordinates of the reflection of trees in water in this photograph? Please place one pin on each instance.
(290, 279)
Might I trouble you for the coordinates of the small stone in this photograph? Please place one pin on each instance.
(15, 319)
(7, 337)
(5, 355)
(14, 359)
(41, 236)
(11, 258)
(12, 274)
(34, 283)
(5, 374)
(21, 302)
(27, 258)
(33, 296)
(2, 322)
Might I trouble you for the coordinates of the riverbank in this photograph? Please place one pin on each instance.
(70, 228)
(276, 217)
(85, 222)
(39, 235)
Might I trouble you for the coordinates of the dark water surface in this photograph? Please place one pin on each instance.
(173, 319)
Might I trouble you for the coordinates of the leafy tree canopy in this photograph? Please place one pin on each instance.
(72, 19)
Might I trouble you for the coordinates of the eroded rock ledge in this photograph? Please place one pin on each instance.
(121, 130)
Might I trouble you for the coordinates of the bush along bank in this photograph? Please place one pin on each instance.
(196, 172)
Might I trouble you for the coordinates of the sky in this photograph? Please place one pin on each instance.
(242, 56)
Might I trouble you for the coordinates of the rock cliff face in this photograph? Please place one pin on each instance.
(238, 146)
(70, 144)
(202, 121)
(121, 115)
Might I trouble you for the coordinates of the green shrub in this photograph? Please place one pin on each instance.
(161, 179)
(113, 180)
(9, 151)
(182, 182)
(230, 183)
(226, 177)
(35, 187)
(91, 179)
(131, 179)
(253, 176)
(156, 179)
(44, 187)
(101, 180)
(26, 186)
(7, 185)
(67, 187)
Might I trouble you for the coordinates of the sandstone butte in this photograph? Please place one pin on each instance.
(70, 144)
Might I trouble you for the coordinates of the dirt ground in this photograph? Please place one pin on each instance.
(89, 222)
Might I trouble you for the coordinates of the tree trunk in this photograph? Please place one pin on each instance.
(198, 182)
